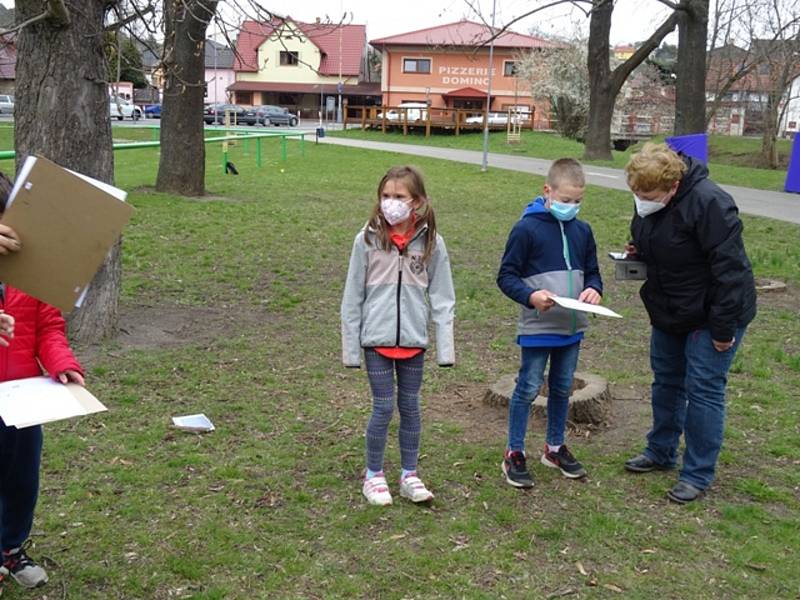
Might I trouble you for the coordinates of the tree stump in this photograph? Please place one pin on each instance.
(589, 401)
(770, 285)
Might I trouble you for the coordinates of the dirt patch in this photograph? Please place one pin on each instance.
(628, 419)
(144, 327)
(785, 298)
(149, 189)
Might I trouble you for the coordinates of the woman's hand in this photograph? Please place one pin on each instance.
(70, 376)
(541, 300)
(723, 346)
(590, 296)
(630, 249)
(9, 240)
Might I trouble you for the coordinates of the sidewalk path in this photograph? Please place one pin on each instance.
(776, 205)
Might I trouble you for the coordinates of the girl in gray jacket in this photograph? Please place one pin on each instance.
(399, 278)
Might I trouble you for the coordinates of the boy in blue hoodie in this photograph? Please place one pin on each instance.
(549, 253)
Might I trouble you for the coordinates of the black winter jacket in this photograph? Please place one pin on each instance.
(698, 274)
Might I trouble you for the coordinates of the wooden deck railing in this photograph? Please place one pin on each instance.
(409, 117)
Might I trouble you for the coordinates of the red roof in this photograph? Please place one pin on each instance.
(327, 37)
(463, 33)
(466, 92)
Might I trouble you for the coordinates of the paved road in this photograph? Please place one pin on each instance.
(776, 205)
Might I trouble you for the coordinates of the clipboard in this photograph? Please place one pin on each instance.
(67, 222)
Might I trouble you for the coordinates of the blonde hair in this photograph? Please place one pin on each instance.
(566, 170)
(412, 178)
(654, 167)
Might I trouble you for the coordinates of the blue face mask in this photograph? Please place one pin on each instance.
(563, 211)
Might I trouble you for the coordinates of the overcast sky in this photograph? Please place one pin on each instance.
(633, 20)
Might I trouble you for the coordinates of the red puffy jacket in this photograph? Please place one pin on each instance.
(39, 341)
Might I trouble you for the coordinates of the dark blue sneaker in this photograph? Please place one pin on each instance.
(515, 470)
(564, 461)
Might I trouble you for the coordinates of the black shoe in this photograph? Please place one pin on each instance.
(515, 470)
(642, 464)
(683, 493)
(564, 461)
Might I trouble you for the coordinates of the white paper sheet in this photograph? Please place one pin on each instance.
(37, 400)
(585, 306)
(198, 423)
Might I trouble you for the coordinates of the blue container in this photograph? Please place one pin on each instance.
(320, 132)
(694, 145)
(793, 172)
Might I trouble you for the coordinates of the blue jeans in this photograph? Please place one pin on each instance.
(20, 455)
(563, 361)
(689, 398)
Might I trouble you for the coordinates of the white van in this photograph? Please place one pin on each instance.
(6, 104)
(120, 108)
(415, 111)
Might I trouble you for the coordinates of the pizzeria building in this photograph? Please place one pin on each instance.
(448, 67)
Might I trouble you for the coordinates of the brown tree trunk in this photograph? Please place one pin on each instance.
(601, 98)
(604, 84)
(690, 86)
(182, 167)
(62, 113)
(769, 146)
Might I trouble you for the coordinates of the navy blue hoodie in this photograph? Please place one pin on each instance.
(535, 258)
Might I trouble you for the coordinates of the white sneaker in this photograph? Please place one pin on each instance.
(411, 487)
(22, 568)
(376, 491)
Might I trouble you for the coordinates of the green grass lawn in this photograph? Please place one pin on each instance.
(230, 306)
(729, 156)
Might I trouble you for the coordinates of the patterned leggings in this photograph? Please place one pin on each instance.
(380, 371)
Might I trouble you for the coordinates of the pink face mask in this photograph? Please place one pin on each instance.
(395, 210)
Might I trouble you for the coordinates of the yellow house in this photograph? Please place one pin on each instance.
(304, 67)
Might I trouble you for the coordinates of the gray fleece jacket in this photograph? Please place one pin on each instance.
(390, 296)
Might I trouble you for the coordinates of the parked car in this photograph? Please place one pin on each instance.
(239, 115)
(275, 115)
(495, 118)
(124, 109)
(6, 104)
(152, 110)
(414, 111)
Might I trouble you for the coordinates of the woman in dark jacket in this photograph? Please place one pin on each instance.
(700, 296)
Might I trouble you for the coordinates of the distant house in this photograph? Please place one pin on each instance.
(8, 63)
(448, 67)
(301, 66)
(623, 52)
(219, 72)
(742, 104)
(790, 124)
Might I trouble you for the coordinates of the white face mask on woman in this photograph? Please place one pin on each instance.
(647, 207)
(395, 210)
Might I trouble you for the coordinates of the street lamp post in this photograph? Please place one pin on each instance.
(485, 160)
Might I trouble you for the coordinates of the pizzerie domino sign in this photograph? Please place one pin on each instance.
(451, 75)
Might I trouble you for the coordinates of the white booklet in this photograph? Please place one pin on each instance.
(37, 400)
(198, 423)
(584, 306)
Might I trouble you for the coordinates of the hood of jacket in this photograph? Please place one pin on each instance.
(536, 207)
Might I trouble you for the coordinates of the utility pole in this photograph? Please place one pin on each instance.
(485, 160)
(340, 85)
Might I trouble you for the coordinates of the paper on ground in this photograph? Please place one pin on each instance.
(199, 423)
(585, 306)
(37, 400)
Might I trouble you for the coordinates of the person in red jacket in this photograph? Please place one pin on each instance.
(32, 336)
